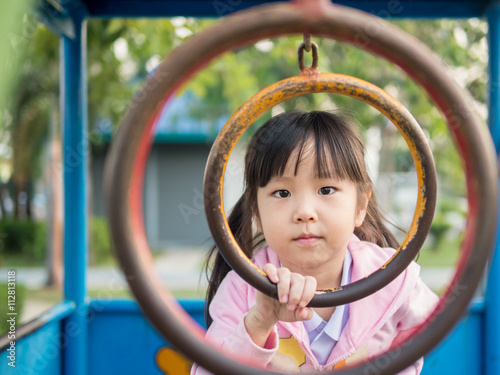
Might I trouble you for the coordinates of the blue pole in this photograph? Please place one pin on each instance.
(494, 71)
(75, 172)
(492, 297)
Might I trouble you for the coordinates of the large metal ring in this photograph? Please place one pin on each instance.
(127, 159)
(309, 84)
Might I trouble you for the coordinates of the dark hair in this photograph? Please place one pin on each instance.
(340, 153)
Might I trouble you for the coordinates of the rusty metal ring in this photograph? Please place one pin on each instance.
(300, 55)
(309, 84)
(125, 168)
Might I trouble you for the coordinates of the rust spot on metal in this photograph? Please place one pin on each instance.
(310, 71)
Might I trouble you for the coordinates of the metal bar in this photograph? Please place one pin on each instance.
(75, 171)
(219, 8)
(493, 17)
(58, 312)
(492, 300)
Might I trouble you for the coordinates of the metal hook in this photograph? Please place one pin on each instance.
(300, 55)
(307, 42)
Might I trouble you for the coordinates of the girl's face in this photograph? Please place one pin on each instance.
(308, 220)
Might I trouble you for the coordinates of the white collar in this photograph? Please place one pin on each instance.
(335, 325)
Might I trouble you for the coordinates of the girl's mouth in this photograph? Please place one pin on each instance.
(307, 239)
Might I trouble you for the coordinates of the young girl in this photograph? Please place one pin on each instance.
(310, 198)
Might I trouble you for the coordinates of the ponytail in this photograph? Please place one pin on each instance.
(216, 267)
(373, 228)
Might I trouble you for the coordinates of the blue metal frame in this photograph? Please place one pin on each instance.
(75, 173)
(492, 297)
(218, 8)
(39, 351)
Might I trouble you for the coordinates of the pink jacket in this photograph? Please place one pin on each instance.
(374, 322)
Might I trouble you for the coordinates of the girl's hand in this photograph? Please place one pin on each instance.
(294, 291)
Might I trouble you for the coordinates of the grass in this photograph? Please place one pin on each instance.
(45, 294)
(20, 260)
(14, 304)
(446, 255)
(27, 261)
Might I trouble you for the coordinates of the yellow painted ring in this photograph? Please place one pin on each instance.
(315, 82)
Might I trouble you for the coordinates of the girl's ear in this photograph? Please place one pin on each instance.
(362, 208)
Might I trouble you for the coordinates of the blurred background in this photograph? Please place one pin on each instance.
(121, 55)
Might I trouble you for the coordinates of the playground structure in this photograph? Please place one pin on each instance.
(93, 337)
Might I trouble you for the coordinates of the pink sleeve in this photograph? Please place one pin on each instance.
(228, 332)
(419, 307)
(416, 368)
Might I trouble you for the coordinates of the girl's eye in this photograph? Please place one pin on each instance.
(281, 194)
(327, 190)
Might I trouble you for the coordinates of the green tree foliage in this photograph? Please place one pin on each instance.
(32, 102)
(11, 14)
(118, 56)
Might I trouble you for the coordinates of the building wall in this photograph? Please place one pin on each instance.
(173, 199)
(176, 210)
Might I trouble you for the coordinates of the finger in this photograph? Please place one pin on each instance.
(297, 282)
(283, 284)
(309, 290)
(271, 272)
(305, 313)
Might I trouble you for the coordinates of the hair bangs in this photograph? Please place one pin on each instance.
(337, 147)
(275, 145)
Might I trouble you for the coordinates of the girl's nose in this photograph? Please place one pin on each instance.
(305, 213)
